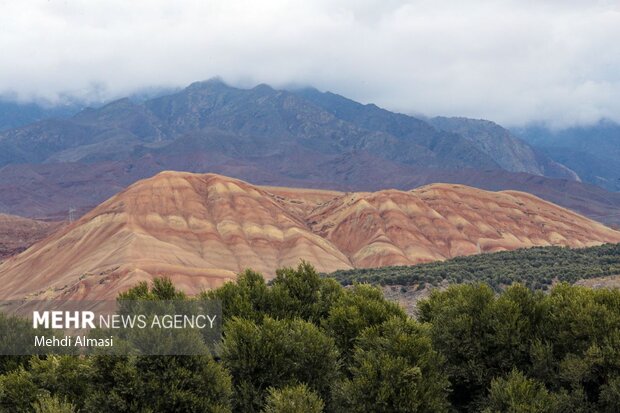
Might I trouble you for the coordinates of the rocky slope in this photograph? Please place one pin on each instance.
(17, 233)
(203, 229)
(510, 152)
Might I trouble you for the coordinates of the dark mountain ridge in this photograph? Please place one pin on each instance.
(269, 118)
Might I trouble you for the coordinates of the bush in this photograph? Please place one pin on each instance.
(18, 392)
(277, 353)
(361, 307)
(395, 369)
(52, 404)
(159, 383)
(518, 394)
(293, 399)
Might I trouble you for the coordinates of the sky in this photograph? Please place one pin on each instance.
(514, 62)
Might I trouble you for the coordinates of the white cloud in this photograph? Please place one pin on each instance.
(510, 61)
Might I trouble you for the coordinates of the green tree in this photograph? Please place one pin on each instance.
(293, 399)
(52, 404)
(115, 385)
(247, 297)
(395, 369)
(295, 293)
(19, 341)
(609, 400)
(302, 293)
(184, 384)
(67, 377)
(517, 394)
(277, 353)
(360, 307)
(582, 329)
(18, 391)
(460, 319)
(158, 384)
(161, 288)
(514, 319)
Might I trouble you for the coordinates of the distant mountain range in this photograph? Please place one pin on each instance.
(203, 229)
(14, 114)
(262, 122)
(592, 151)
(301, 138)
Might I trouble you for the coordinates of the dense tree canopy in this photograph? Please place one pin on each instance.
(536, 268)
(304, 343)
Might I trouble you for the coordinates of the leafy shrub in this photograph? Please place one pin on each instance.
(293, 399)
(518, 394)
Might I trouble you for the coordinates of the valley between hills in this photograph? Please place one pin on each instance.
(203, 229)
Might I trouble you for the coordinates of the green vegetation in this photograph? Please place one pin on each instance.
(517, 393)
(306, 344)
(535, 268)
(293, 399)
(50, 404)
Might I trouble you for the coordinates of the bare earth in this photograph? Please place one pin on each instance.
(612, 281)
(17, 233)
(202, 229)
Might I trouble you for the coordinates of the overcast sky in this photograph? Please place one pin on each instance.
(509, 61)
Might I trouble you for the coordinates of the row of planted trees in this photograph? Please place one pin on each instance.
(306, 344)
(537, 268)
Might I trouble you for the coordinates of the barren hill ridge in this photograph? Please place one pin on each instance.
(202, 229)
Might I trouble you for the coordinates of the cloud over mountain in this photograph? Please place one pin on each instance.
(510, 61)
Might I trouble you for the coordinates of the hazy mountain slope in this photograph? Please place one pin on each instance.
(510, 152)
(302, 138)
(14, 114)
(85, 136)
(453, 149)
(203, 229)
(592, 151)
(248, 123)
(598, 169)
(462, 138)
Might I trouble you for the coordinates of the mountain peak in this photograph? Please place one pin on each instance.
(263, 87)
(214, 82)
